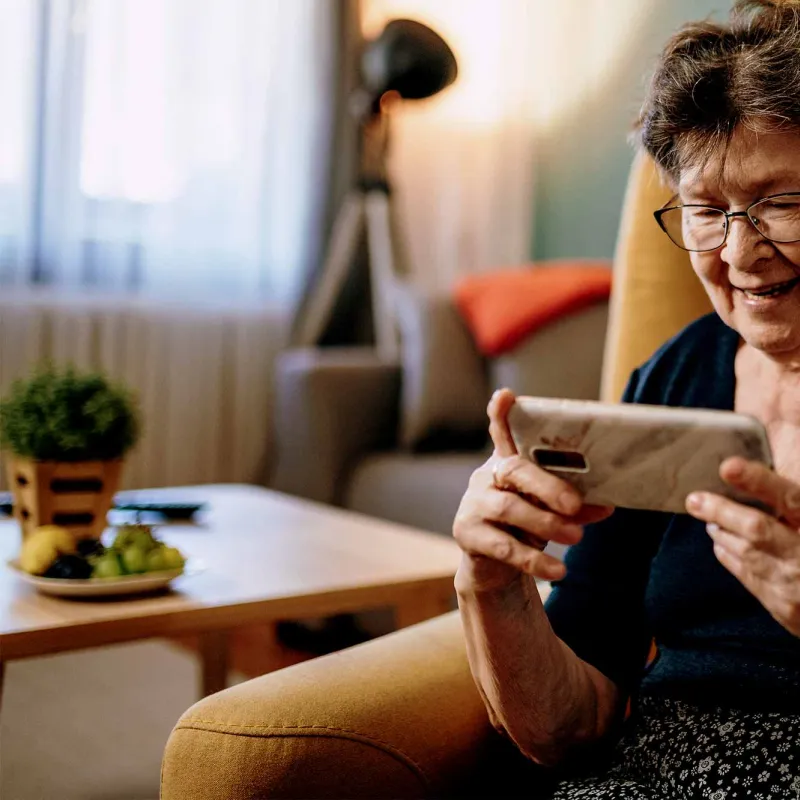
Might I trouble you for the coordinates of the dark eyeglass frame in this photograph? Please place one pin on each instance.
(728, 215)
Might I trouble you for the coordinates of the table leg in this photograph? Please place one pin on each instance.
(421, 606)
(214, 660)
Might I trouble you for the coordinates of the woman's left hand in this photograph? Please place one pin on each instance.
(761, 550)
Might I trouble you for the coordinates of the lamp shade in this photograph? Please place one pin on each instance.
(408, 58)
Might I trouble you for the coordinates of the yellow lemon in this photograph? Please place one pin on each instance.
(61, 538)
(37, 556)
(43, 546)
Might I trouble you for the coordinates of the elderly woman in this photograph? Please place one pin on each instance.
(717, 713)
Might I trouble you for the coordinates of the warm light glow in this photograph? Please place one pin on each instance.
(527, 60)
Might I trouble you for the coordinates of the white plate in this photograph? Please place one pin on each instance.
(102, 587)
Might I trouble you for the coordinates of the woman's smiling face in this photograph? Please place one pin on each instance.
(737, 275)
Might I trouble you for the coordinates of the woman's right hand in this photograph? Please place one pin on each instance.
(503, 531)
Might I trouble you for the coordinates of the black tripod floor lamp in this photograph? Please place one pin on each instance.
(407, 61)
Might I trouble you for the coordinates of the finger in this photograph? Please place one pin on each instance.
(757, 563)
(735, 545)
(508, 508)
(486, 540)
(759, 529)
(526, 537)
(589, 514)
(498, 409)
(757, 579)
(735, 554)
(730, 561)
(763, 483)
(763, 575)
(524, 477)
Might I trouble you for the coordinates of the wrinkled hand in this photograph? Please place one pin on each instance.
(761, 550)
(503, 531)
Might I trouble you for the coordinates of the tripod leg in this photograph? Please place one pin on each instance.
(402, 260)
(339, 259)
(382, 272)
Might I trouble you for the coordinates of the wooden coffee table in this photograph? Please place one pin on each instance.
(267, 557)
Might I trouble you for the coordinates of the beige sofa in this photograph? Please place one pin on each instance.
(399, 440)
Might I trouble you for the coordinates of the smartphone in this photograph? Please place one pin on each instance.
(636, 456)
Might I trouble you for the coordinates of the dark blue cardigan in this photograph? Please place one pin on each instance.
(642, 575)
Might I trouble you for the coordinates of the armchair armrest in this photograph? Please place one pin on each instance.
(332, 404)
(397, 717)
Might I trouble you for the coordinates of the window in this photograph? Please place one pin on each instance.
(167, 145)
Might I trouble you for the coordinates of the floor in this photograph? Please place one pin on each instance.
(92, 725)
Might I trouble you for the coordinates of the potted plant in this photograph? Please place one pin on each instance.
(65, 433)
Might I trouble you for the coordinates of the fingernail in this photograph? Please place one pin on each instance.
(557, 572)
(695, 501)
(712, 528)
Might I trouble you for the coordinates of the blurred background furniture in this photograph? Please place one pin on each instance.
(399, 440)
(400, 716)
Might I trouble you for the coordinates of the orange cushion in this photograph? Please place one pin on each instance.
(501, 308)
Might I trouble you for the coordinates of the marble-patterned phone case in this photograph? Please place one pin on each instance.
(636, 456)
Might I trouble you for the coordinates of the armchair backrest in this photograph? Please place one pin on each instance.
(655, 292)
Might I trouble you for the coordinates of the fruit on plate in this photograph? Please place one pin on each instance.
(51, 551)
(156, 562)
(134, 559)
(107, 566)
(173, 557)
(71, 566)
(42, 547)
(140, 536)
(140, 551)
(90, 547)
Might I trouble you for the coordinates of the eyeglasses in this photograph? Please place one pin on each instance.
(700, 229)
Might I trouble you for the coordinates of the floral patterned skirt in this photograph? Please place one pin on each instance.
(671, 749)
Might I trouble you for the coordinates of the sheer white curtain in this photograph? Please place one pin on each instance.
(463, 162)
(167, 146)
(18, 61)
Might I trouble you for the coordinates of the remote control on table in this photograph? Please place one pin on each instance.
(171, 509)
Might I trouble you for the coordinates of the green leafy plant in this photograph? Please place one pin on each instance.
(65, 415)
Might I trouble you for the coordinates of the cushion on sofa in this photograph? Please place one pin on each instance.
(444, 383)
(422, 490)
(563, 359)
(504, 307)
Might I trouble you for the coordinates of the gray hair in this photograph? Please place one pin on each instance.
(712, 78)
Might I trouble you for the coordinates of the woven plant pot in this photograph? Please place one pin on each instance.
(76, 496)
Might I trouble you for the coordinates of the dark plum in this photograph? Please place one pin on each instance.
(90, 547)
(73, 567)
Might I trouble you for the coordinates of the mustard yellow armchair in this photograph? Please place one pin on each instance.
(400, 717)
